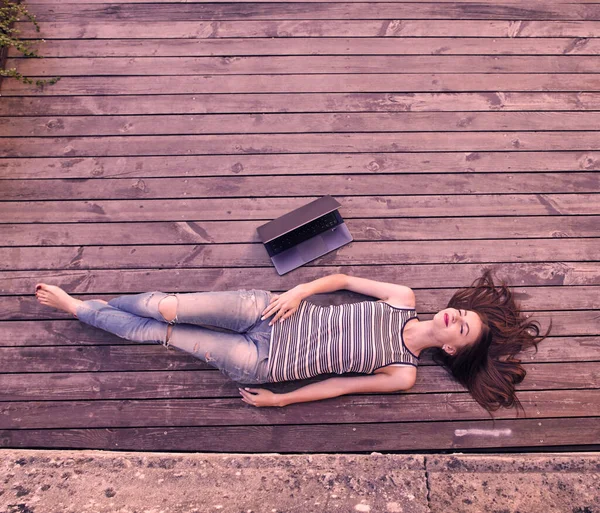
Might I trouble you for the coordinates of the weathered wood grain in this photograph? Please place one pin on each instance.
(408, 436)
(59, 258)
(299, 164)
(375, 230)
(313, 83)
(70, 66)
(392, 27)
(412, 184)
(298, 102)
(223, 187)
(270, 208)
(298, 123)
(313, 46)
(55, 2)
(313, 11)
(298, 143)
(364, 408)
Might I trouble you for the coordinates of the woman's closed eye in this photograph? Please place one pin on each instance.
(462, 325)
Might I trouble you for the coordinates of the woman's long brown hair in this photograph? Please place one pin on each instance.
(489, 368)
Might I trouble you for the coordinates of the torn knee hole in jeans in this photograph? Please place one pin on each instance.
(173, 314)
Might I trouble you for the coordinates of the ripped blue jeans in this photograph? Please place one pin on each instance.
(241, 354)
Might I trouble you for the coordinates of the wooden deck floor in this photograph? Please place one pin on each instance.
(457, 136)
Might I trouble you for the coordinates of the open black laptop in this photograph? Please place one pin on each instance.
(304, 234)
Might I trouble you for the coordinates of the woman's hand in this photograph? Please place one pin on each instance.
(259, 397)
(284, 304)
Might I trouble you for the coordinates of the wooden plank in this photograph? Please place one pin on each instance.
(326, 102)
(50, 333)
(408, 436)
(393, 27)
(304, 64)
(313, 46)
(222, 277)
(231, 412)
(302, 164)
(219, 232)
(56, 2)
(298, 123)
(428, 300)
(314, 83)
(13, 260)
(71, 386)
(578, 326)
(559, 349)
(270, 208)
(102, 358)
(297, 143)
(225, 187)
(314, 11)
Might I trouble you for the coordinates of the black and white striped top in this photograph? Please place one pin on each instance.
(357, 337)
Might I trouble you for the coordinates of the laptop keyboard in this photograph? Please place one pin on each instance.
(302, 233)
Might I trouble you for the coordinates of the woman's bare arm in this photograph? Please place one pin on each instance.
(329, 283)
(381, 290)
(334, 387)
(378, 289)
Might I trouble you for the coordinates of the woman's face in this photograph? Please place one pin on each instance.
(456, 328)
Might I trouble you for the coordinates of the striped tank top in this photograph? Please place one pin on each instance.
(357, 337)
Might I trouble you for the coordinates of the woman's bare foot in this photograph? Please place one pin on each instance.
(56, 297)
